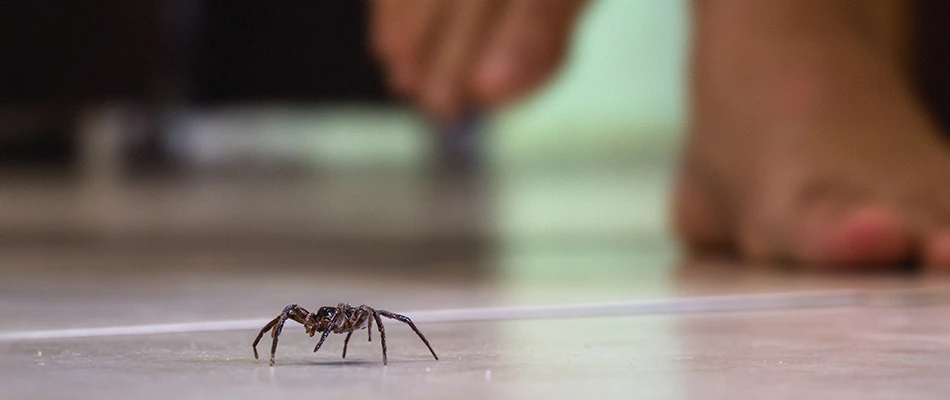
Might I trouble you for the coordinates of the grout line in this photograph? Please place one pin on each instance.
(753, 302)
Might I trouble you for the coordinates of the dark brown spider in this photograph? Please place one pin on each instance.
(340, 319)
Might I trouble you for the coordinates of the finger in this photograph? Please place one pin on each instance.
(526, 49)
(461, 39)
(415, 45)
(409, 32)
(385, 18)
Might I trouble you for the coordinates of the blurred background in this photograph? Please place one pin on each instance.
(162, 125)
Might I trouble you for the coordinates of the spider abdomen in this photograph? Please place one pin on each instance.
(347, 326)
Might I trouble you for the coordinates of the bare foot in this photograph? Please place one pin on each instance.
(807, 144)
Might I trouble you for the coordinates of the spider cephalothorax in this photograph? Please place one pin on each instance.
(340, 319)
(319, 321)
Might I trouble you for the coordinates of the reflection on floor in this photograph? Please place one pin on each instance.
(894, 347)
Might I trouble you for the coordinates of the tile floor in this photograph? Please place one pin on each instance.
(891, 341)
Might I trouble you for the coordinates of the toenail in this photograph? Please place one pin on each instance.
(867, 236)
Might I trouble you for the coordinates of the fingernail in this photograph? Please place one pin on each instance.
(498, 70)
(441, 100)
(402, 80)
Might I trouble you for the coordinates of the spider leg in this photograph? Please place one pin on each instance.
(322, 338)
(290, 312)
(404, 319)
(275, 333)
(369, 329)
(345, 342)
(339, 313)
(369, 325)
(261, 334)
(382, 333)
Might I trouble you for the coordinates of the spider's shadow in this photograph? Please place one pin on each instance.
(340, 363)
(330, 363)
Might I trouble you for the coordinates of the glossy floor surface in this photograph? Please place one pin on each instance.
(870, 337)
(527, 288)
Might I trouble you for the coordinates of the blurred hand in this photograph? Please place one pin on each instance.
(452, 55)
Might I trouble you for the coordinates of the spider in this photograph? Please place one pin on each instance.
(343, 318)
